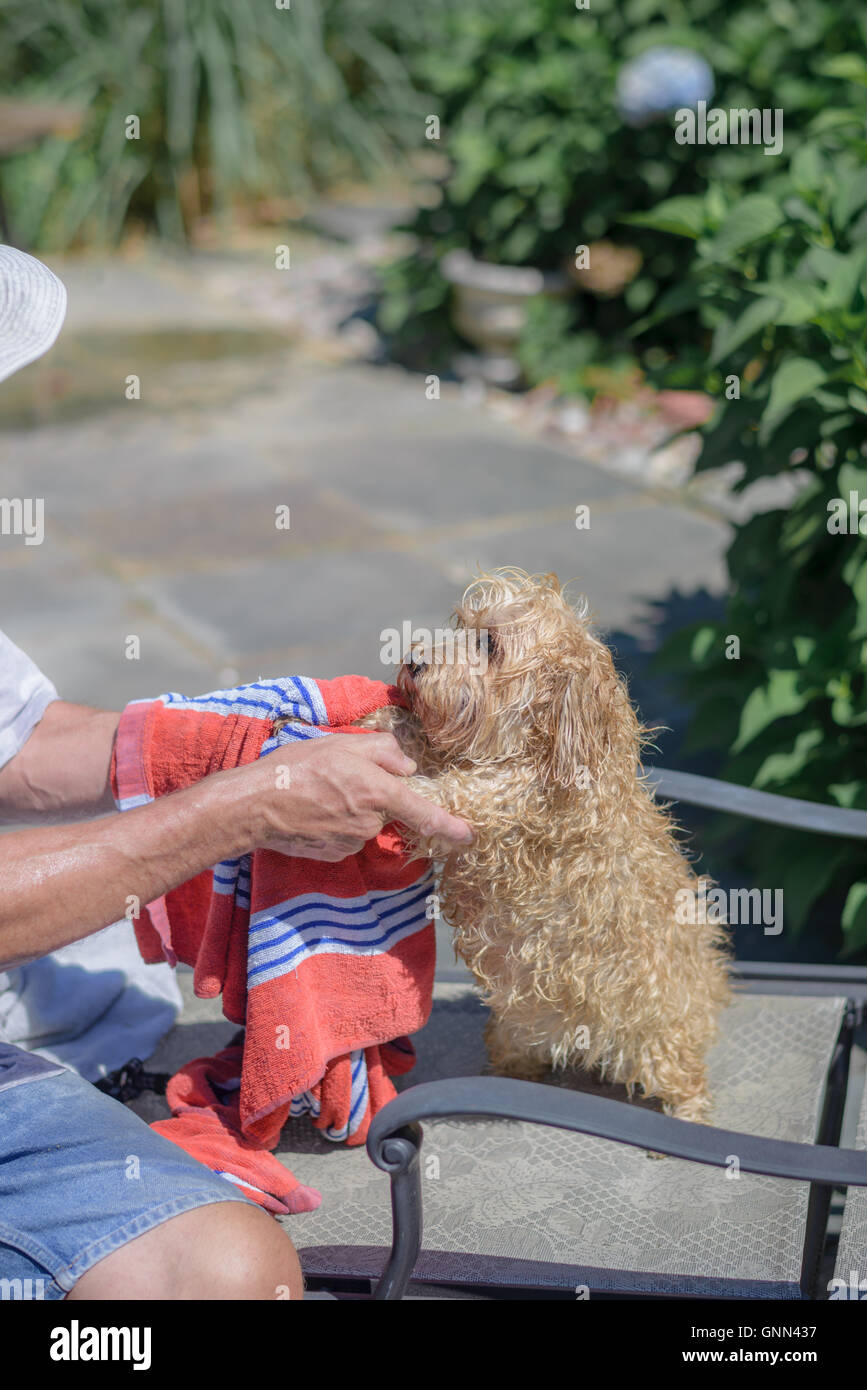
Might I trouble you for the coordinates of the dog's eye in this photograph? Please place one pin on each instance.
(488, 643)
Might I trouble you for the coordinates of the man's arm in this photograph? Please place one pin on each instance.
(62, 771)
(60, 883)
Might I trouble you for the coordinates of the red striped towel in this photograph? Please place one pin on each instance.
(328, 966)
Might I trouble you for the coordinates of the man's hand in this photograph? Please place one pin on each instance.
(62, 882)
(325, 798)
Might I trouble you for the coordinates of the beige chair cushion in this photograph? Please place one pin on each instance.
(851, 1263)
(510, 1204)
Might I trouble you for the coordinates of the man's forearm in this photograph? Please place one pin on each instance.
(63, 882)
(62, 772)
(322, 799)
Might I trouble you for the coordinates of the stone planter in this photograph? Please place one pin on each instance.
(489, 307)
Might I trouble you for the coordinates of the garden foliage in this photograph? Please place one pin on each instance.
(778, 281)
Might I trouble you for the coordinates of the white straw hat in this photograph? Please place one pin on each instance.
(32, 309)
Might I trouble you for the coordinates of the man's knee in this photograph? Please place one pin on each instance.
(256, 1258)
(226, 1250)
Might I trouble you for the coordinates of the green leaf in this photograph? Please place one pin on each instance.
(843, 712)
(794, 380)
(832, 118)
(807, 168)
(674, 301)
(798, 301)
(754, 217)
(682, 216)
(858, 583)
(732, 333)
(851, 67)
(854, 918)
(780, 697)
(780, 768)
(851, 196)
(475, 155)
(798, 210)
(703, 643)
(676, 650)
(845, 279)
(847, 794)
(853, 478)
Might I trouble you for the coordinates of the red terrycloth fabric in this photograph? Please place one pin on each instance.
(304, 1016)
(209, 1128)
(204, 1098)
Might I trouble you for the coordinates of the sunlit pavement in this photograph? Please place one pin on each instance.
(161, 512)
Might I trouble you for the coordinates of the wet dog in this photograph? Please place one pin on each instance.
(565, 907)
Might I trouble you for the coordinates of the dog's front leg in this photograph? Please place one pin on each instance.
(679, 1081)
(507, 1058)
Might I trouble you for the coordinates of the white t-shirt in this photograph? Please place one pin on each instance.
(119, 1007)
(24, 695)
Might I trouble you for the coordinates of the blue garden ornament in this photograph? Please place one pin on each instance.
(661, 80)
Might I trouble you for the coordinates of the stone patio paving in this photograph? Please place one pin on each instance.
(160, 512)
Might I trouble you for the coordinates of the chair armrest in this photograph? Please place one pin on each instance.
(765, 806)
(502, 1098)
(395, 1138)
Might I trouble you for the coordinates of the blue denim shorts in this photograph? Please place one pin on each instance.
(80, 1175)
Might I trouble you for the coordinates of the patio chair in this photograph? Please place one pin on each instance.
(850, 1269)
(541, 1190)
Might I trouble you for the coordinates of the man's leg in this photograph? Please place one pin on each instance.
(229, 1250)
(94, 1204)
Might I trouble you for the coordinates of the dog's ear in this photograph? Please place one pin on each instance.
(586, 715)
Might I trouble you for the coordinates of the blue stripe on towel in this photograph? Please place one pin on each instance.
(307, 1103)
(315, 924)
(357, 1102)
(295, 696)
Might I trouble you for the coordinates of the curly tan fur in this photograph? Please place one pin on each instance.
(564, 906)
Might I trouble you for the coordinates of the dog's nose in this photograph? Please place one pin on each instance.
(414, 667)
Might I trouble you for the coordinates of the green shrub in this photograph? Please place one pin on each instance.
(778, 281)
(768, 285)
(236, 99)
(542, 161)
